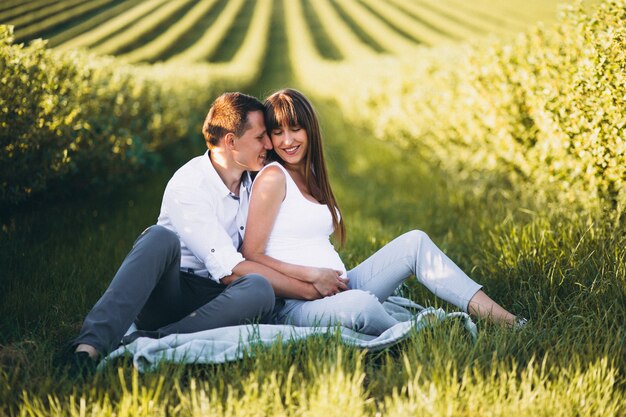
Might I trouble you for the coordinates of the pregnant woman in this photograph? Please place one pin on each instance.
(292, 215)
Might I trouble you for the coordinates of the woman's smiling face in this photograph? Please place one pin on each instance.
(290, 143)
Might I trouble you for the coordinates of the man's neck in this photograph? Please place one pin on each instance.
(227, 170)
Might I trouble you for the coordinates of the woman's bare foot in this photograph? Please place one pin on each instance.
(483, 307)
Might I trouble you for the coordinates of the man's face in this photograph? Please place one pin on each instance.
(251, 147)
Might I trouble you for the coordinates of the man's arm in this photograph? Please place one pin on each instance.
(283, 285)
(193, 217)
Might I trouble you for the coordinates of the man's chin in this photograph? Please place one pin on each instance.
(264, 161)
(256, 168)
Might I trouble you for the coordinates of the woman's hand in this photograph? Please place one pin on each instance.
(327, 281)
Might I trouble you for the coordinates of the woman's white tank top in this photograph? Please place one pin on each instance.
(301, 233)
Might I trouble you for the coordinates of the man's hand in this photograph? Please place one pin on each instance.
(228, 279)
(327, 281)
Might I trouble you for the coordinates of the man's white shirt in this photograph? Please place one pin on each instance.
(208, 219)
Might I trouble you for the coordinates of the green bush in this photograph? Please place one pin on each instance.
(79, 120)
(544, 113)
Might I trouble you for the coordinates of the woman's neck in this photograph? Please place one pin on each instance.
(298, 174)
(296, 169)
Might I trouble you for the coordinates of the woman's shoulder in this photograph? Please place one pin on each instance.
(272, 169)
(273, 166)
(271, 174)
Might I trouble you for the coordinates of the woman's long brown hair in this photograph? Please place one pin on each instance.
(289, 107)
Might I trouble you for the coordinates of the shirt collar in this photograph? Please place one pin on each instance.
(246, 181)
(216, 181)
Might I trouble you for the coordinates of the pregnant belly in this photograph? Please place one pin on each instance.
(317, 254)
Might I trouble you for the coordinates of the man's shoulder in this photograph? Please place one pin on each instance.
(191, 174)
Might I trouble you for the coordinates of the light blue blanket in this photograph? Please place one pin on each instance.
(232, 343)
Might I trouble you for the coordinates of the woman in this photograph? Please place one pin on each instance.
(292, 214)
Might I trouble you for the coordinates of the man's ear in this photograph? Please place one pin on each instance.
(229, 141)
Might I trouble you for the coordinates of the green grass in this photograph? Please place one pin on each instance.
(276, 72)
(195, 33)
(235, 36)
(122, 31)
(87, 21)
(358, 30)
(69, 18)
(565, 271)
(323, 41)
(395, 27)
(150, 35)
(566, 275)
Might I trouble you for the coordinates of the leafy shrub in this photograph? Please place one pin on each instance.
(544, 112)
(81, 120)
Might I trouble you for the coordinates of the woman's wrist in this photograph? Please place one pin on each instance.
(311, 274)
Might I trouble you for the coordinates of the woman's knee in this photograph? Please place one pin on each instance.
(413, 242)
(415, 237)
(364, 313)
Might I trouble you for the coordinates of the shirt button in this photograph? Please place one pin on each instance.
(212, 250)
(241, 228)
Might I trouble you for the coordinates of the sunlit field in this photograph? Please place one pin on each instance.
(496, 127)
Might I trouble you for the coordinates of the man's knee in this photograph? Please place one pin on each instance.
(258, 291)
(161, 233)
(159, 237)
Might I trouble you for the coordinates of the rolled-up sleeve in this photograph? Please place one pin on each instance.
(195, 218)
(221, 261)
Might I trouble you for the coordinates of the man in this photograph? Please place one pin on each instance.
(186, 274)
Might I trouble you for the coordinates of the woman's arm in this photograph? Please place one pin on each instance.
(269, 193)
(283, 285)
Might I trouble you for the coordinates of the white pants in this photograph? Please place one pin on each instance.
(375, 279)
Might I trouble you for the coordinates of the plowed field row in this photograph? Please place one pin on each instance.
(197, 30)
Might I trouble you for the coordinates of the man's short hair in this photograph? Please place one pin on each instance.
(229, 114)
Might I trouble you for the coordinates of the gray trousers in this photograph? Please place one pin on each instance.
(150, 290)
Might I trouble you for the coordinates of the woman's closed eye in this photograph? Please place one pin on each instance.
(280, 131)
